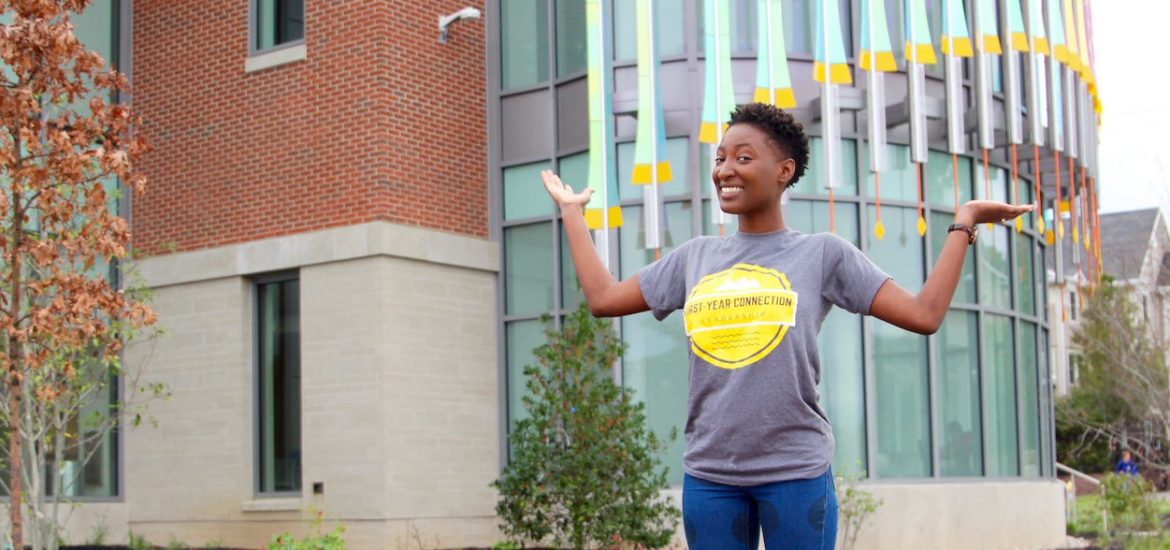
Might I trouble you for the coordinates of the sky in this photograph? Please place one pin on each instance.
(1129, 38)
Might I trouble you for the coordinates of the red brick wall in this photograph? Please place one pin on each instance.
(379, 122)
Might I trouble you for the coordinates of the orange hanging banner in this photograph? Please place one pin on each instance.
(1057, 213)
(1016, 188)
(832, 214)
(879, 230)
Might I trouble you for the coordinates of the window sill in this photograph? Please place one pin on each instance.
(275, 58)
(287, 504)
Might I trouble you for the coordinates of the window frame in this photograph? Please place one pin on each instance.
(257, 476)
(279, 54)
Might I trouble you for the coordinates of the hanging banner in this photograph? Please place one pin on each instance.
(602, 212)
(877, 57)
(956, 44)
(773, 84)
(650, 167)
(718, 91)
(986, 45)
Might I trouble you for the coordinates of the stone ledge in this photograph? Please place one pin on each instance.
(293, 504)
(275, 58)
(320, 247)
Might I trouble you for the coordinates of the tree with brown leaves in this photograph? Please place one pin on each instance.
(67, 146)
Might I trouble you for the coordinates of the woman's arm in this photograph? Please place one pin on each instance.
(924, 313)
(606, 296)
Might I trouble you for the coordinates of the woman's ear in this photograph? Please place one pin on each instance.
(787, 170)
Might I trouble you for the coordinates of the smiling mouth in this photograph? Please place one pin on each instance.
(729, 191)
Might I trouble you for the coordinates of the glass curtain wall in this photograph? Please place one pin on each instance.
(966, 402)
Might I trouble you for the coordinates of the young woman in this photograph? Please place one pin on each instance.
(758, 445)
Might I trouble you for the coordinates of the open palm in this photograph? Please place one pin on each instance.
(561, 192)
(982, 211)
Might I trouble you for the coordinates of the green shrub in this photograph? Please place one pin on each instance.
(1127, 501)
(317, 540)
(854, 506)
(138, 542)
(583, 471)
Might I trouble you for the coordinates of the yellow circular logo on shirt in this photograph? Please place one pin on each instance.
(737, 316)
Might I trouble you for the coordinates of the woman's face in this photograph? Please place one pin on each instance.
(750, 171)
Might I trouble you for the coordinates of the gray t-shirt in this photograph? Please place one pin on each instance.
(753, 305)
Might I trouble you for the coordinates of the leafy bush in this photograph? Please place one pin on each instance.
(854, 506)
(583, 471)
(1127, 501)
(317, 540)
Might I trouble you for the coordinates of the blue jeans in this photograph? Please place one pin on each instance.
(801, 513)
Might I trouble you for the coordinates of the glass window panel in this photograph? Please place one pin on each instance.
(528, 266)
(571, 39)
(744, 28)
(813, 217)
(813, 181)
(1045, 408)
(995, 289)
(902, 402)
(574, 171)
(279, 22)
(89, 465)
(96, 27)
(571, 294)
(800, 23)
(634, 253)
(957, 363)
(279, 354)
(995, 286)
(1025, 279)
(934, 20)
(655, 364)
(899, 181)
(524, 195)
(900, 253)
(999, 401)
(522, 338)
(675, 153)
(1027, 196)
(996, 186)
(965, 292)
(895, 21)
(842, 389)
(940, 180)
(1029, 401)
(523, 42)
(668, 29)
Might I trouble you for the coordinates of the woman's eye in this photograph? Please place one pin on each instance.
(718, 160)
(742, 158)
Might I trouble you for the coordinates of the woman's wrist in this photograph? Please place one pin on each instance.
(965, 216)
(572, 209)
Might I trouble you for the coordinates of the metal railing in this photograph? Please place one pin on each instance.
(1070, 495)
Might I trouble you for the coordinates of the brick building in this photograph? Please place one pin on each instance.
(316, 229)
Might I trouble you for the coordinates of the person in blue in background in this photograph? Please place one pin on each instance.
(1126, 464)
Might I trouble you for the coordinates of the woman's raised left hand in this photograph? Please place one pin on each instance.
(976, 212)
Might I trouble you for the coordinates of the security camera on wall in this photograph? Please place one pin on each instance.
(446, 20)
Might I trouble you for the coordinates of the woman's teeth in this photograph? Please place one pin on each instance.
(729, 191)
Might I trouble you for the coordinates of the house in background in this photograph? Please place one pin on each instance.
(1135, 252)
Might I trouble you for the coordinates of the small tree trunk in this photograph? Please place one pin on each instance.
(14, 463)
(15, 363)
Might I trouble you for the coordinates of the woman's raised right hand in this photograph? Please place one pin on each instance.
(562, 193)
